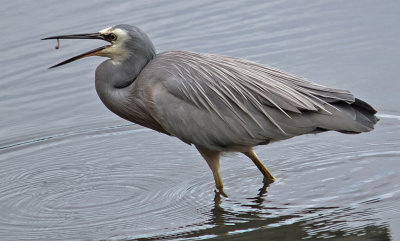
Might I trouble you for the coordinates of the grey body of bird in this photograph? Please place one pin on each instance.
(216, 103)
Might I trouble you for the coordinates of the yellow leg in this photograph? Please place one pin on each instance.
(252, 155)
(212, 158)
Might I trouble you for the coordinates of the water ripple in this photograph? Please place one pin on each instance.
(92, 192)
(70, 170)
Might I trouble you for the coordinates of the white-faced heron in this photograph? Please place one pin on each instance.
(217, 103)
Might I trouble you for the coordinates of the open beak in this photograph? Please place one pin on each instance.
(93, 52)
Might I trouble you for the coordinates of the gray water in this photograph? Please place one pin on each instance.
(72, 170)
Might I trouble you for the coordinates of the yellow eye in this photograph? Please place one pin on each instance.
(113, 37)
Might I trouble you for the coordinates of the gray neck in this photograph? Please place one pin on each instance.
(114, 83)
(120, 75)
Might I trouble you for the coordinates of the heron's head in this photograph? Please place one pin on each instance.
(124, 40)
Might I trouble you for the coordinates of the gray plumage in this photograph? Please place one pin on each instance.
(218, 103)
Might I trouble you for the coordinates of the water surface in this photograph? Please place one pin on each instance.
(72, 170)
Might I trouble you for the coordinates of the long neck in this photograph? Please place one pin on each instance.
(119, 75)
(114, 78)
(117, 89)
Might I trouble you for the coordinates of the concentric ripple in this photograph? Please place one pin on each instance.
(127, 182)
(71, 170)
(75, 185)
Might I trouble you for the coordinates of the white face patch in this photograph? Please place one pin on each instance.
(105, 31)
(116, 52)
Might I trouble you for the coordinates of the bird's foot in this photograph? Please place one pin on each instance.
(266, 183)
(220, 192)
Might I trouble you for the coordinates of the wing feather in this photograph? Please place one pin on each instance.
(233, 81)
(218, 102)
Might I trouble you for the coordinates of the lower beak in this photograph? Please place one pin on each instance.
(93, 52)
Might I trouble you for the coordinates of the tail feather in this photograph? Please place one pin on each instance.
(364, 105)
(349, 118)
(365, 114)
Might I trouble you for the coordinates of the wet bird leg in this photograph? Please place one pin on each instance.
(252, 155)
(212, 158)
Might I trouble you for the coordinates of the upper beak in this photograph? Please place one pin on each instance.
(80, 36)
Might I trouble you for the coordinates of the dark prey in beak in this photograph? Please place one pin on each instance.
(80, 36)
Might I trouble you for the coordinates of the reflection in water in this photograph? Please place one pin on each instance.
(133, 196)
(71, 170)
(253, 224)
